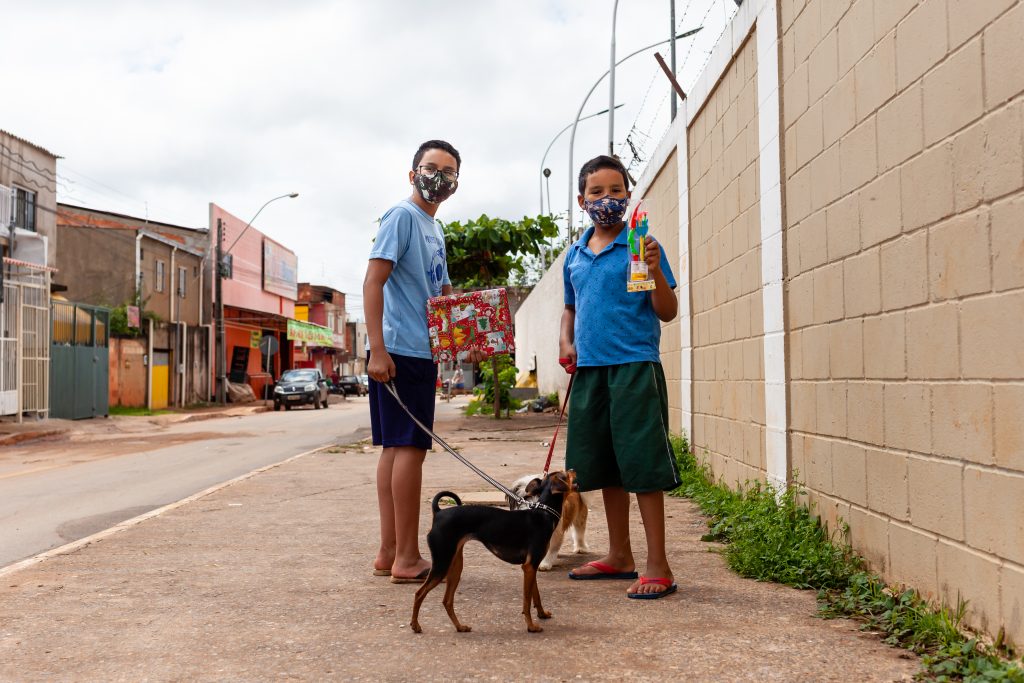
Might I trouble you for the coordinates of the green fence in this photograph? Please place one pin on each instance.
(79, 357)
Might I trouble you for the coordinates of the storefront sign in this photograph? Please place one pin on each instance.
(308, 333)
(254, 339)
(132, 313)
(280, 270)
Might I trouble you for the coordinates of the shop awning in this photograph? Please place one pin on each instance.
(309, 333)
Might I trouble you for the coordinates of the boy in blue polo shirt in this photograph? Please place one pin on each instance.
(618, 426)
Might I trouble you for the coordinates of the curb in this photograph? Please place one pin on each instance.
(21, 437)
(135, 521)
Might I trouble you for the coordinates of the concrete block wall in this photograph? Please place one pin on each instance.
(725, 257)
(661, 201)
(904, 264)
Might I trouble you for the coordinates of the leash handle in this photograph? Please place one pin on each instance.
(561, 416)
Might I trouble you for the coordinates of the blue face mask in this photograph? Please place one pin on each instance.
(607, 210)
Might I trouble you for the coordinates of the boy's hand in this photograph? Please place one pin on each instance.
(652, 255)
(475, 356)
(381, 368)
(567, 356)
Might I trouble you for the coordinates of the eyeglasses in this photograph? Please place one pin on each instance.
(431, 171)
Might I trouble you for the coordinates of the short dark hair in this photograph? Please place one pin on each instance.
(436, 144)
(596, 164)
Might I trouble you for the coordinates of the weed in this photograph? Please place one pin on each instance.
(136, 412)
(770, 536)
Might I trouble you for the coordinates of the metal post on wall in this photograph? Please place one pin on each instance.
(672, 54)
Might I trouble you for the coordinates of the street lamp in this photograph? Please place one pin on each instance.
(221, 347)
(572, 136)
(551, 144)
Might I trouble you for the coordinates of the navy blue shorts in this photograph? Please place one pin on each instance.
(416, 380)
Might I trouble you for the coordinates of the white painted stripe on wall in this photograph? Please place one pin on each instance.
(685, 322)
(776, 418)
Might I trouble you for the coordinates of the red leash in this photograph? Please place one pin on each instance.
(571, 369)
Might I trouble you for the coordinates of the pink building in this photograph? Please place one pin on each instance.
(259, 299)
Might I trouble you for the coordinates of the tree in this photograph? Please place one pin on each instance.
(491, 252)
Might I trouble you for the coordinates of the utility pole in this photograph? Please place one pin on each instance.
(611, 93)
(221, 350)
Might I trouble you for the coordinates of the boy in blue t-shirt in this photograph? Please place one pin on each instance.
(407, 266)
(618, 426)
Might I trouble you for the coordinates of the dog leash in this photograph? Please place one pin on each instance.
(571, 369)
(509, 494)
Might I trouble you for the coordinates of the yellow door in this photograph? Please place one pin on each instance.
(161, 378)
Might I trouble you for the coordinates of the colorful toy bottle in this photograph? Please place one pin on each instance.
(638, 279)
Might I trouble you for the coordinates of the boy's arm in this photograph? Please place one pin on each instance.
(663, 298)
(381, 367)
(567, 335)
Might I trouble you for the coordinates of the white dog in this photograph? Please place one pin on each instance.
(574, 514)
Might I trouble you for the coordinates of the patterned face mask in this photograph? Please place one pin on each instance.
(607, 210)
(436, 189)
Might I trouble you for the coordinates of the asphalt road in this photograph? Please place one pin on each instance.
(48, 506)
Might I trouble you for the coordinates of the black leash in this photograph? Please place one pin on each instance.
(513, 497)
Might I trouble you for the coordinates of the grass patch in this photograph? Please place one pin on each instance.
(772, 536)
(122, 411)
(481, 405)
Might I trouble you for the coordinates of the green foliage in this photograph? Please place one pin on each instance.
(485, 252)
(484, 401)
(123, 411)
(553, 398)
(771, 537)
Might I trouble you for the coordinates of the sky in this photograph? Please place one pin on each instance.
(158, 108)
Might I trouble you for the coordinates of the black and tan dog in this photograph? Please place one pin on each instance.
(517, 537)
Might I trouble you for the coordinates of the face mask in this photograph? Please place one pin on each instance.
(434, 190)
(607, 210)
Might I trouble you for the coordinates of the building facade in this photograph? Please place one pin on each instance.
(160, 358)
(327, 350)
(259, 297)
(28, 241)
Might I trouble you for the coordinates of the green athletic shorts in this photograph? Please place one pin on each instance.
(618, 429)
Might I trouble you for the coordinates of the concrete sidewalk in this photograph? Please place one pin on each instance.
(270, 578)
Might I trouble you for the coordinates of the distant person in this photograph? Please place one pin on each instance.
(407, 266)
(618, 427)
(457, 380)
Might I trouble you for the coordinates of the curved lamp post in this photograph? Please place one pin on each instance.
(552, 143)
(572, 136)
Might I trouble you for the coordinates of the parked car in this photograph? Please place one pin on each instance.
(350, 384)
(301, 387)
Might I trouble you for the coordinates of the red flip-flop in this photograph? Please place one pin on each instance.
(605, 571)
(669, 584)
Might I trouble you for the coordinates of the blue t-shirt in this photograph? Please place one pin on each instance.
(414, 243)
(613, 326)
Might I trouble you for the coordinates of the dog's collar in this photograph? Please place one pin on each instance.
(541, 506)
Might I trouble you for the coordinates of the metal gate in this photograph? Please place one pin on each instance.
(80, 380)
(9, 349)
(25, 339)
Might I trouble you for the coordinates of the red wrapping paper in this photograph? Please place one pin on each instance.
(474, 321)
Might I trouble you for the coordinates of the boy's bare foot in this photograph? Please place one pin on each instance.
(639, 588)
(383, 561)
(622, 565)
(410, 571)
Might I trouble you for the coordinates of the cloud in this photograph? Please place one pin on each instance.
(163, 107)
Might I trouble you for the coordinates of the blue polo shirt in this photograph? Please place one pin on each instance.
(613, 326)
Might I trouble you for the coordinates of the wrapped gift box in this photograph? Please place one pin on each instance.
(460, 323)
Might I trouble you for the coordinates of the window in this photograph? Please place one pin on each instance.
(158, 283)
(23, 209)
(181, 282)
